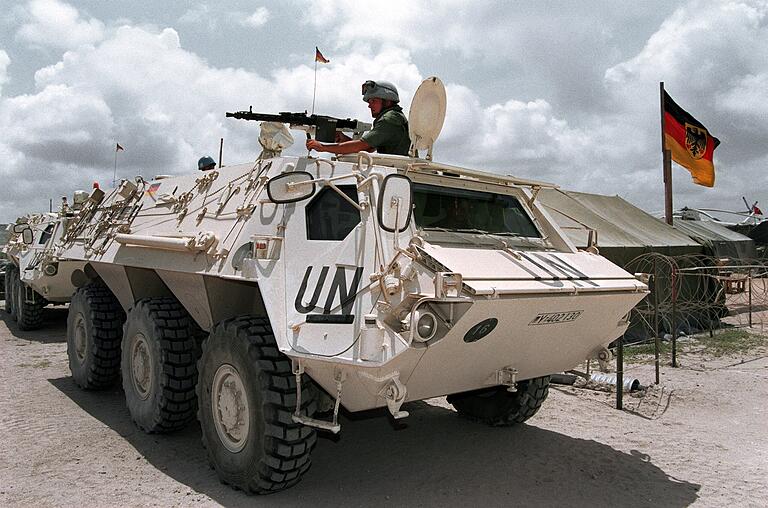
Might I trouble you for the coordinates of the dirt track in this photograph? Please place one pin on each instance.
(702, 437)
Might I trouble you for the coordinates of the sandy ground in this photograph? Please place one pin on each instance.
(701, 437)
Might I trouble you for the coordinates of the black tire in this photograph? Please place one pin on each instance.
(8, 287)
(11, 278)
(29, 313)
(241, 363)
(159, 370)
(94, 332)
(499, 407)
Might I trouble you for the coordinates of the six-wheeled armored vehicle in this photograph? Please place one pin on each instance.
(34, 275)
(263, 297)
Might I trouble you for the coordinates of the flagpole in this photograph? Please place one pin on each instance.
(114, 173)
(314, 87)
(667, 163)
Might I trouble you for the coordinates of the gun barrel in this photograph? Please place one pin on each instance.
(325, 126)
(295, 119)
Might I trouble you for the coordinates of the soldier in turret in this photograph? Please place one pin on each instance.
(390, 126)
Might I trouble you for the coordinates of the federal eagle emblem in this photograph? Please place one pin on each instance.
(695, 140)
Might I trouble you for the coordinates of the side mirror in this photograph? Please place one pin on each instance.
(25, 231)
(395, 203)
(26, 236)
(290, 187)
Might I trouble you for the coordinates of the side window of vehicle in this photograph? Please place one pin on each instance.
(46, 234)
(330, 216)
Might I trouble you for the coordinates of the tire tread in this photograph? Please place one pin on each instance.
(287, 445)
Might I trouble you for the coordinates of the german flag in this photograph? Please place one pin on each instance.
(691, 144)
(319, 56)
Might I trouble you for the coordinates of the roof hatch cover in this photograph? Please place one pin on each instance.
(426, 116)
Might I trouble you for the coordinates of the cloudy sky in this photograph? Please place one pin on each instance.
(566, 92)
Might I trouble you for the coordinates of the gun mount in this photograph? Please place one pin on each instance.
(325, 127)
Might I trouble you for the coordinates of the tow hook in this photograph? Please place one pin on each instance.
(507, 377)
(395, 392)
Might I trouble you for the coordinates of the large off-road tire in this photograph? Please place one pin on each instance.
(159, 356)
(94, 332)
(247, 394)
(29, 313)
(10, 271)
(12, 282)
(499, 407)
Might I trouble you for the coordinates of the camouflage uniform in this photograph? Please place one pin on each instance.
(390, 132)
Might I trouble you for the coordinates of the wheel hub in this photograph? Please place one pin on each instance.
(141, 366)
(81, 337)
(229, 404)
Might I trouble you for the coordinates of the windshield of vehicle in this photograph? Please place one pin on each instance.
(465, 210)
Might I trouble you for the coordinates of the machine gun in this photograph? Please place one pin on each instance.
(325, 127)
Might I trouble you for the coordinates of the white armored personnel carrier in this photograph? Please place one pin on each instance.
(35, 276)
(263, 297)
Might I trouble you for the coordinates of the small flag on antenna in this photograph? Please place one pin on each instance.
(118, 147)
(319, 56)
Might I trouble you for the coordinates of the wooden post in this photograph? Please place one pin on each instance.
(620, 374)
(749, 281)
(674, 316)
(221, 149)
(667, 162)
(656, 341)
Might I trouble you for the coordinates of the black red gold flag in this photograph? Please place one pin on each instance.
(319, 56)
(690, 143)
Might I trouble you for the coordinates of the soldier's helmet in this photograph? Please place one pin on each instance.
(205, 163)
(380, 89)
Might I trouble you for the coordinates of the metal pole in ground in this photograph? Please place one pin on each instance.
(620, 374)
(674, 316)
(656, 341)
(749, 281)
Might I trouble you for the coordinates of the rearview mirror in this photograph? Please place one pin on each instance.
(395, 203)
(290, 187)
(26, 236)
(25, 231)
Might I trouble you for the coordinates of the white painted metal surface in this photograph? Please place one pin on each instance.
(553, 305)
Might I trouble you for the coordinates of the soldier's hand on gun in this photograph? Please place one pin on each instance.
(313, 144)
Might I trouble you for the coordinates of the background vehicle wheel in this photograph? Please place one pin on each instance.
(159, 364)
(12, 281)
(247, 394)
(94, 331)
(29, 312)
(499, 407)
(10, 271)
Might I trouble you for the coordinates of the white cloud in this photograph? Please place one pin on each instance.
(710, 55)
(5, 60)
(259, 18)
(200, 15)
(413, 24)
(594, 129)
(57, 24)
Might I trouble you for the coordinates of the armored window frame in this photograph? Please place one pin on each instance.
(330, 227)
(46, 234)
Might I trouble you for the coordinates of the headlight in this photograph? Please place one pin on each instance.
(426, 326)
(51, 269)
